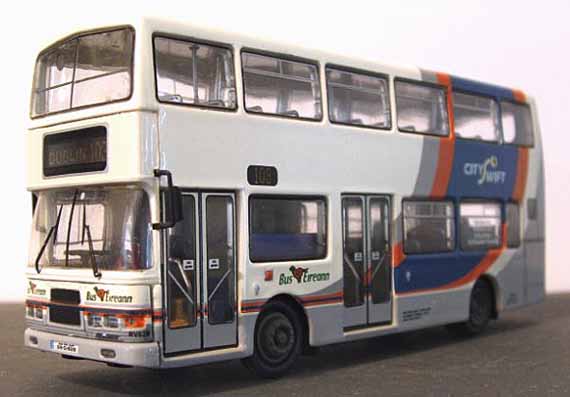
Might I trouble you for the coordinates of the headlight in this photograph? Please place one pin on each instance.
(121, 327)
(112, 322)
(36, 312)
(39, 313)
(94, 320)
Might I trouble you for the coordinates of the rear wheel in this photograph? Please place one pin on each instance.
(480, 311)
(278, 341)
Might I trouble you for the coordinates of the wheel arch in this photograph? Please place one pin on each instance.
(495, 293)
(298, 307)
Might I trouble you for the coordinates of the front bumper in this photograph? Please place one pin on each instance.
(132, 354)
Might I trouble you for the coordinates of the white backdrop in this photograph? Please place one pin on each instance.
(509, 43)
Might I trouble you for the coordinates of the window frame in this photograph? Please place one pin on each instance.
(77, 36)
(191, 39)
(459, 230)
(428, 200)
(425, 84)
(300, 197)
(285, 57)
(515, 102)
(348, 69)
(499, 139)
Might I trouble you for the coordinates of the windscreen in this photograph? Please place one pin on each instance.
(86, 70)
(110, 225)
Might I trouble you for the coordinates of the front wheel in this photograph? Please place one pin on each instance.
(278, 341)
(480, 311)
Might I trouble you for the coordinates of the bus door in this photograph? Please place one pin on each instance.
(366, 260)
(200, 275)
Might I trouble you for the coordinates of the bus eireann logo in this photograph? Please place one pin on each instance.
(298, 272)
(106, 295)
(34, 290)
(101, 293)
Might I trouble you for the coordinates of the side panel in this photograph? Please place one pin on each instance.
(511, 274)
(535, 259)
(535, 213)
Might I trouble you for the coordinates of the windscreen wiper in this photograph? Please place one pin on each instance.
(44, 245)
(69, 227)
(96, 272)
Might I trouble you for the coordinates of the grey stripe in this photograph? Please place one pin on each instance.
(429, 76)
(397, 228)
(428, 166)
(540, 204)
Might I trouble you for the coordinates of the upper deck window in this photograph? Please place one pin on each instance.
(281, 87)
(517, 124)
(476, 117)
(422, 108)
(194, 73)
(358, 99)
(86, 70)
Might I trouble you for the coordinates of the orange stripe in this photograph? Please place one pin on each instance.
(246, 305)
(316, 300)
(476, 272)
(398, 255)
(326, 296)
(522, 174)
(313, 300)
(446, 146)
(85, 308)
(157, 316)
(519, 96)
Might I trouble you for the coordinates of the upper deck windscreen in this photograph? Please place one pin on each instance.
(86, 70)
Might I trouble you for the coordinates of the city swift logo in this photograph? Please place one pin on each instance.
(486, 172)
(104, 295)
(34, 290)
(302, 275)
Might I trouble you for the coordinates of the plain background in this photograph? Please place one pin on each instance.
(512, 43)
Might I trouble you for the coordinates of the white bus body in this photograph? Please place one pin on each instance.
(354, 180)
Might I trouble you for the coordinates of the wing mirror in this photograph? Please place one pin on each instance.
(172, 203)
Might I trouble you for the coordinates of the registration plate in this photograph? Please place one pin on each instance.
(63, 347)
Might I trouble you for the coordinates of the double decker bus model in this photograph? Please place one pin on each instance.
(201, 196)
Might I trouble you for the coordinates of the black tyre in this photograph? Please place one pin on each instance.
(278, 341)
(480, 311)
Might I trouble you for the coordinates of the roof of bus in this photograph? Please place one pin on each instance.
(178, 27)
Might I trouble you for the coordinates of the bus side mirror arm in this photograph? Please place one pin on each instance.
(172, 202)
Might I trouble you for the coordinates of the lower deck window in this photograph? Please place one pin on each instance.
(480, 226)
(287, 229)
(428, 227)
